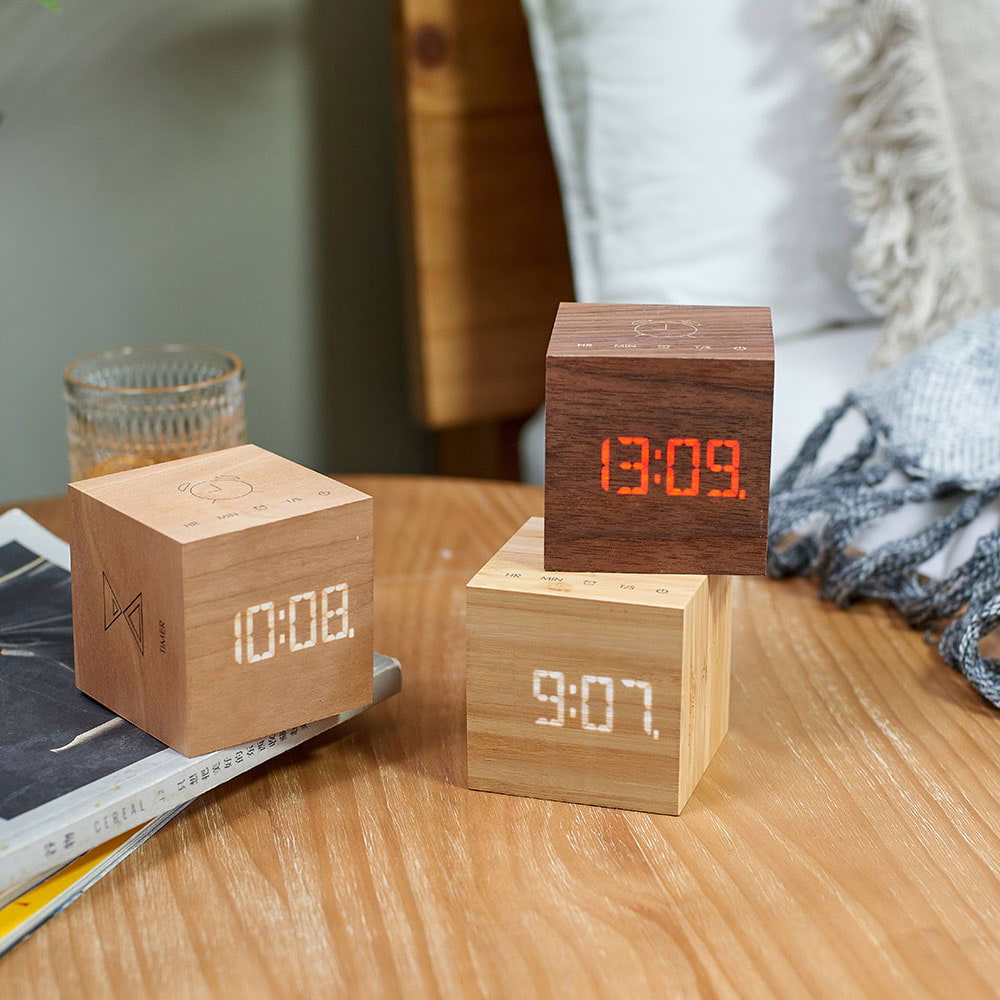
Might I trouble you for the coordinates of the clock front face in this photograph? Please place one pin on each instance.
(278, 622)
(574, 699)
(657, 468)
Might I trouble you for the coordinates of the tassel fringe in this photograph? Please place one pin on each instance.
(816, 515)
(916, 262)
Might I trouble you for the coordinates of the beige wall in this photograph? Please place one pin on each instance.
(206, 172)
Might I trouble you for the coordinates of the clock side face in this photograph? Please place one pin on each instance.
(582, 708)
(657, 466)
(279, 625)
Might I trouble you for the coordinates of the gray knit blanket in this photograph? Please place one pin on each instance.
(935, 418)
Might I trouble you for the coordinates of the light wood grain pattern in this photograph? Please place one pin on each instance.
(486, 247)
(842, 843)
(517, 568)
(608, 690)
(706, 679)
(658, 438)
(222, 597)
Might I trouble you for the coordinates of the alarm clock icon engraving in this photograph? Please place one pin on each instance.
(669, 329)
(219, 488)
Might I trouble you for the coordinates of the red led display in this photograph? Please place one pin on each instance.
(682, 474)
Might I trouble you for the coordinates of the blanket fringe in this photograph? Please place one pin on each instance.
(916, 259)
(816, 516)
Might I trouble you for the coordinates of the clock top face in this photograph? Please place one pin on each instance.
(517, 568)
(208, 495)
(595, 330)
(658, 439)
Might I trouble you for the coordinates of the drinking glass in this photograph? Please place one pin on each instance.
(135, 406)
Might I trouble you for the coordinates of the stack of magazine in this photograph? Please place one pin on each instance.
(81, 788)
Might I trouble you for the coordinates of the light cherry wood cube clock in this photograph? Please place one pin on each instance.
(658, 439)
(607, 689)
(222, 597)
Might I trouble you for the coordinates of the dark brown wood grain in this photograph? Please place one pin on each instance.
(640, 377)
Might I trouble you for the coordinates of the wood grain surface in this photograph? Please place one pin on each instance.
(658, 438)
(843, 842)
(486, 252)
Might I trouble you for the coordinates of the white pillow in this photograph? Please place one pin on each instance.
(694, 144)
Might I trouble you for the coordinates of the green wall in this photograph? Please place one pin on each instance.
(217, 173)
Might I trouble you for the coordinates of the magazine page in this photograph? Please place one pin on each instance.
(27, 910)
(53, 738)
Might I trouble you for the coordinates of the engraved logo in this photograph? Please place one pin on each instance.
(131, 612)
(219, 488)
(666, 329)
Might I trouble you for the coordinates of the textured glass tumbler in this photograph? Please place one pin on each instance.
(135, 406)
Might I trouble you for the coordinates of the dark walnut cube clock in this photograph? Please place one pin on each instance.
(605, 689)
(220, 598)
(658, 439)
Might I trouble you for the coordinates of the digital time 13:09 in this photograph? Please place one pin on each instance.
(683, 469)
(550, 686)
(305, 621)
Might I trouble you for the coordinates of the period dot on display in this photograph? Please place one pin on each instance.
(656, 734)
(572, 689)
(656, 478)
(657, 453)
(281, 640)
(281, 615)
(572, 713)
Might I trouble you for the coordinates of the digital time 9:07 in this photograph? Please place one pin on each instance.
(683, 468)
(301, 624)
(549, 686)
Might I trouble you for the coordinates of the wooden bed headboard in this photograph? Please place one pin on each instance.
(486, 249)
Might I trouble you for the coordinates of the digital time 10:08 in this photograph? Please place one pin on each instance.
(305, 621)
(550, 686)
(682, 469)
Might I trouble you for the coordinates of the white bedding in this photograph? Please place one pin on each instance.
(694, 144)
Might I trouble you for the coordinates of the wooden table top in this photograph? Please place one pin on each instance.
(844, 841)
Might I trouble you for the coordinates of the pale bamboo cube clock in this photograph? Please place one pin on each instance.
(219, 598)
(607, 689)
